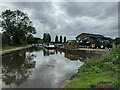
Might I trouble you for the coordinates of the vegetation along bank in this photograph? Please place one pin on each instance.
(101, 72)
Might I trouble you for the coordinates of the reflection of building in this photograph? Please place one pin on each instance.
(71, 56)
(94, 40)
(82, 56)
(71, 44)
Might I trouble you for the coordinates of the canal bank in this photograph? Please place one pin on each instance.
(84, 50)
(99, 72)
(4, 52)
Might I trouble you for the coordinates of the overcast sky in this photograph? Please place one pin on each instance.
(70, 18)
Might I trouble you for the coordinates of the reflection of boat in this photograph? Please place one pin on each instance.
(49, 46)
(48, 52)
(51, 51)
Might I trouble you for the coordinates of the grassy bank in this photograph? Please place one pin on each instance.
(7, 47)
(98, 71)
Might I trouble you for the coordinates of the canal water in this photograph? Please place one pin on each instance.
(39, 68)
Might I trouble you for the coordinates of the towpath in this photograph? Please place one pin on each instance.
(4, 52)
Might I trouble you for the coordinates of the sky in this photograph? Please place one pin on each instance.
(70, 18)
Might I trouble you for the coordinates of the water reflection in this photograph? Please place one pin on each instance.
(47, 52)
(82, 56)
(72, 56)
(38, 68)
(17, 67)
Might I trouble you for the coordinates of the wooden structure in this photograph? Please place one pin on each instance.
(94, 41)
(71, 44)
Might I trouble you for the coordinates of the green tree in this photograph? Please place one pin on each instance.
(17, 25)
(64, 39)
(37, 40)
(30, 39)
(5, 39)
(117, 40)
(49, 37)
(56, 39)
(46, 37)
(60, 39)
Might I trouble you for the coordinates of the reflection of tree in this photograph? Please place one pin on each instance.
(56, 51)
(60, 52)
(45, 53)
(17, 67)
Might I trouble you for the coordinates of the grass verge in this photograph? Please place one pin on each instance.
(98, 70)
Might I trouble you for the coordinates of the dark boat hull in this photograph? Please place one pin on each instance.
(49, 47)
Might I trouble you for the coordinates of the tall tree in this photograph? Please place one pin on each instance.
(17, 25)
(60, 39)
(46, 37)
(56, 39)
(64, 39)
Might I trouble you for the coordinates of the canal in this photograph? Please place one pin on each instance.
(39, 68)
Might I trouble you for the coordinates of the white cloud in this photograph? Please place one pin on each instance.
(70, 19)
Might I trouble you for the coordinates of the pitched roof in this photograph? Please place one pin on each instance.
(89, 34)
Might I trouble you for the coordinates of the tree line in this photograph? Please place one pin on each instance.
(60, 41)
(18, 29)
(47, 38)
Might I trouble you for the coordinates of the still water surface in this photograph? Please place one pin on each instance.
(39, 68)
